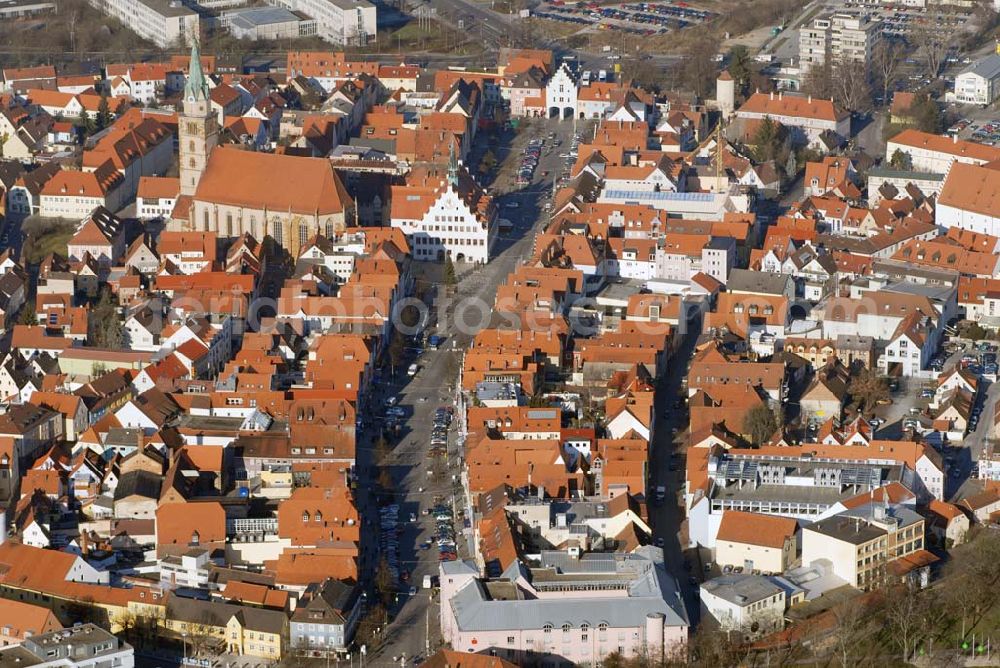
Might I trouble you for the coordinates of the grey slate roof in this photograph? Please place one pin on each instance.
(758, 282)
(214, 613)
(139, 483)
(988, 67)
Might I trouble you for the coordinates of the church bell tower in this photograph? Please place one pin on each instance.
(197, 127)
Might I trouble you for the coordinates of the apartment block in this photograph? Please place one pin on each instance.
(838, 37)
(163, 22)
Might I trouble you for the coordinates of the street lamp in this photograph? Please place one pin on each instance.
(184, 642)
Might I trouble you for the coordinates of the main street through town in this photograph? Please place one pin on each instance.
(417, 478)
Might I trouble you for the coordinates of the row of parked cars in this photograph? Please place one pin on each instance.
(444, 531)
(439, 433)
(590, 17)
(678, 10)
(390, 529)
(530, 156)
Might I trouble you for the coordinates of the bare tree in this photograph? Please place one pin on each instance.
(818, 81)
(853, 626)
(904, 611)
(202, 634)
(851, 89)
(886, 59)
(933, 44)
(698, 67)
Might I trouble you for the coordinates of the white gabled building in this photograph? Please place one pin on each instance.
(561, 93)
(935, 153)
(806, 118)
(451, 216)
(980, 82)
(967, 200)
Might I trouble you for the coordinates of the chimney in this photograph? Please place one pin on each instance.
(780, 93)
(954, 138)
(772, 94)
(810, 98)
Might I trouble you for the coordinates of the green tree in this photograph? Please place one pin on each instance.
(450, 278)
(740, 66)
(85, 123)
(104, 118)
(868, 389)
(104, 323)
(759, 424)
(901, 160)
(538, 400)
(974, 331)
(926, 115)
(768, 140)
(27, 316)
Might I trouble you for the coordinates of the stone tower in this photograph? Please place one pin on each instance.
(725, 94)
(197, 127)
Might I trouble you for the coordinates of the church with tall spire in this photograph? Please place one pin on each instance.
(197, 127)
(231, 191)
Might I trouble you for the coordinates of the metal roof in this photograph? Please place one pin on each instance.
(988, 67)
(261, 16)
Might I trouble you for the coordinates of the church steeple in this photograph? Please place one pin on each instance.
(196, 87)
(452, 166)
(197, 127)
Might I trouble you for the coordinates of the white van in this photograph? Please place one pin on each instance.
(428, 581)
(412, 371)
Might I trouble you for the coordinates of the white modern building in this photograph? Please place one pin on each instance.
(163, 22)
(351, 22)
(978, 84)
(255, 23)
(84, 646)
(837, 37)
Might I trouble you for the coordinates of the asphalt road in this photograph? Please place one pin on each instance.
(666, 453)
(414, 630)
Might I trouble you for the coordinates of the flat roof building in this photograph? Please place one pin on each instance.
(163, 22)
(85, 646)
(347, 22)
(255, 23)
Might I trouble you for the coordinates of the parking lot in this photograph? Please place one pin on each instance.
(982, 131)
(638, 18)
